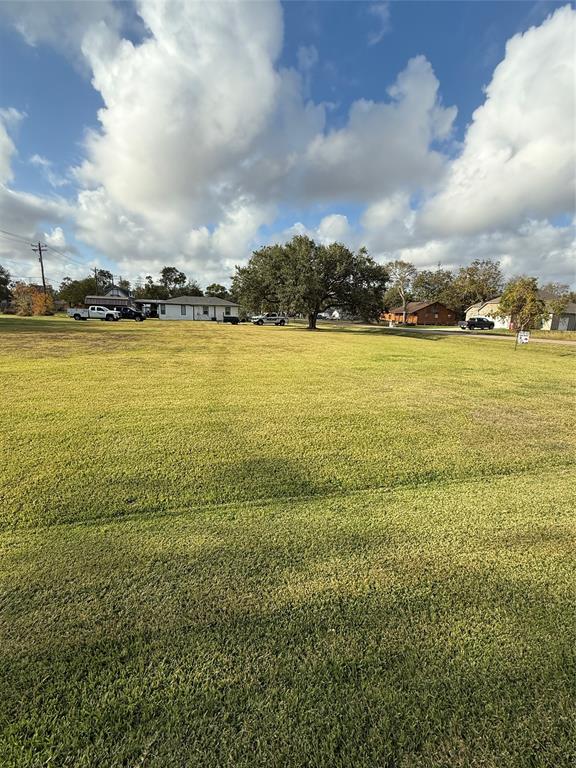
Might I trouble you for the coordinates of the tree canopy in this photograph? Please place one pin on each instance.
(31, 300)
(556, 295)
(5, 279)
(402, 275)
(433, 285)
(479, 281)
(307, 278)
(172, 283)
(75, 291)
(521, 301)
(218, 291)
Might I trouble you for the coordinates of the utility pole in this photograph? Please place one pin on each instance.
(96, 279)
(38, 249)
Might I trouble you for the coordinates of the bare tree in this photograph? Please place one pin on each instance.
(402, 275)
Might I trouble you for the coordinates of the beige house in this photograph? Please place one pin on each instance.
(489, 309)
(566, 321)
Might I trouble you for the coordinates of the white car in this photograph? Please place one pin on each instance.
(270, 318)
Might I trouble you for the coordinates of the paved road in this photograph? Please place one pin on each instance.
(480, 335)
(459, 332)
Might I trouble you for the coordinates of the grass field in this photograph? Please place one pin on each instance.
(240, 546)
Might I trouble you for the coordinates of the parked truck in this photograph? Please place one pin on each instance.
(270, 318)
(476, 324)
(94, 312)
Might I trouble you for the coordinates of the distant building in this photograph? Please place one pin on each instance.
(488, 308)
(115, 297)
(422, 313)
(190, 308)
(564, 321)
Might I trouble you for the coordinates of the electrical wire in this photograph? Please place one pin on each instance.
(16, 236)
(19, 238)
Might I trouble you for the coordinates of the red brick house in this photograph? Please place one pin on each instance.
(422, 313)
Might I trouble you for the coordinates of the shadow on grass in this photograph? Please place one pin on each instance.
(268, 478)
(55, 324)
(235, 668)
(431, 335)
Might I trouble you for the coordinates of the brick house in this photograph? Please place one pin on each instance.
(422, 313)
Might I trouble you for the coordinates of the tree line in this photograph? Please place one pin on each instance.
(302, 277)
(307, 278)
(30, 299)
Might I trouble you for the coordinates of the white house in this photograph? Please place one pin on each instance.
(191, 308)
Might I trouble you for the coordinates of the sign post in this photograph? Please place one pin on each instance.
(522, 337)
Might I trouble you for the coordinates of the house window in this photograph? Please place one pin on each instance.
(436, 315)
(162, 309)
(182, 309)
(226, 310)
(204, 310)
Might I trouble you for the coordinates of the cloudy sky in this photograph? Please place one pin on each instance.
(134, 135)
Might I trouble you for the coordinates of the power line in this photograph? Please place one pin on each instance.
(20, 238)
(14, 240)
(65, 256)
(14, 235)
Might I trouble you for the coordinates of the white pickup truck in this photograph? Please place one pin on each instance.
(270, 318)
(95, 312)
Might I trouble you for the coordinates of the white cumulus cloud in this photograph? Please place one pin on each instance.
(518, 159)
(203, 140)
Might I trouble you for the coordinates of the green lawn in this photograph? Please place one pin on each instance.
(241, 546)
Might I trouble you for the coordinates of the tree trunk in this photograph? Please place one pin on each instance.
(312, 321)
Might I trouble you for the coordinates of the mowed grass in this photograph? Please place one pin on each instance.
(239, 546)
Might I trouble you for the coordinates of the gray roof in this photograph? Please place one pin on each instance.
(569, 310)
(107, 299)
(195, 301)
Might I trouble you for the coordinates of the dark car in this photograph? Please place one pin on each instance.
(479, 324)
(129, 313)
(231, 319)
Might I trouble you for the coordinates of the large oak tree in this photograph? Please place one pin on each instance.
(307, 278)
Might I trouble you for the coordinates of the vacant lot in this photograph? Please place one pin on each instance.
(239, 546)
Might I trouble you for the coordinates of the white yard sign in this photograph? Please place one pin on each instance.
(523, 337)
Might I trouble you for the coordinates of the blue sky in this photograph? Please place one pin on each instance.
(328, 57)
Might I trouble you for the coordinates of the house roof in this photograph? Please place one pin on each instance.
(414, 306)
(569, 310)
(107, 299)
(195, 301)
(117, 291)
(480, 304)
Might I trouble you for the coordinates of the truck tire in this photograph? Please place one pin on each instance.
(259, 322)
(109, 317)
(282, 322)
(77, 316)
